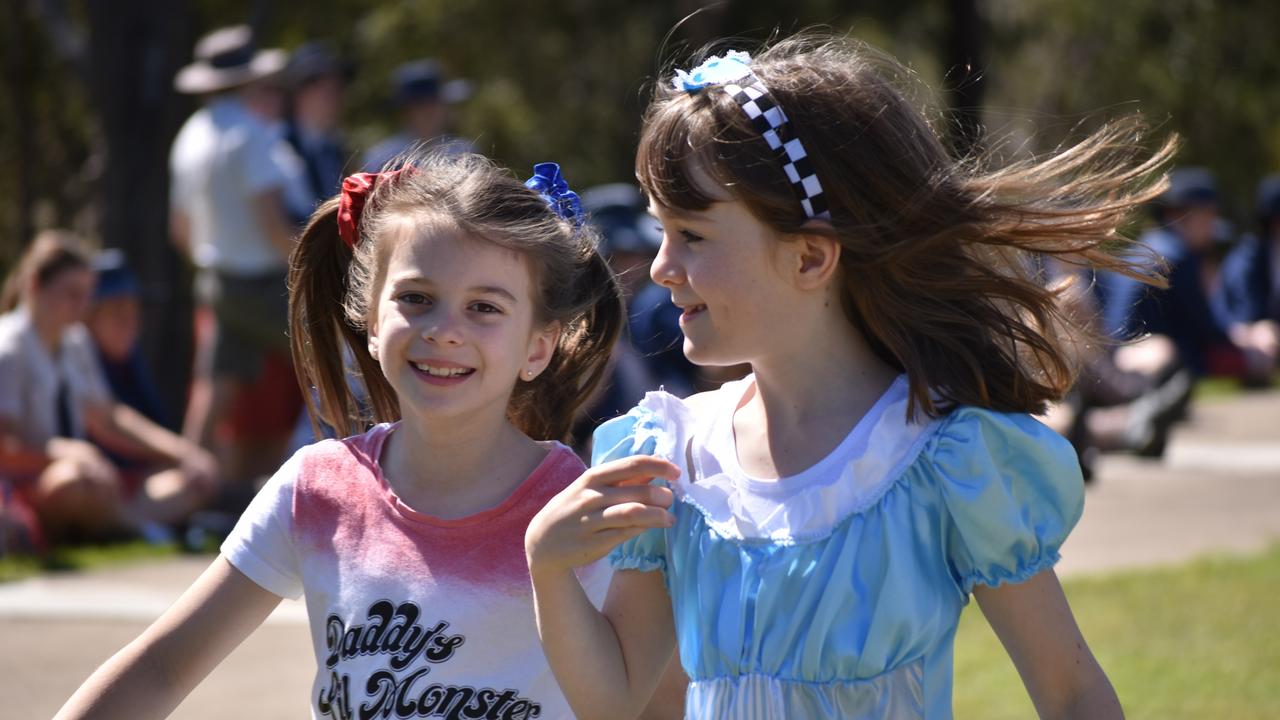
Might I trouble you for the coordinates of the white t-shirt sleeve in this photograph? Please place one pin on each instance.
(11, 377)
(261, 545)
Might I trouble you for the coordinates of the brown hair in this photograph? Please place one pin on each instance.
(331, 288)
(50, 254)
(937, 254)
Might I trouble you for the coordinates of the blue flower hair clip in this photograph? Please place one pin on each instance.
(715, 70)
(553, 188)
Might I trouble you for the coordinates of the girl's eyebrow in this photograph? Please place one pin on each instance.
(477, 289)
(678, 212)
(495, 290)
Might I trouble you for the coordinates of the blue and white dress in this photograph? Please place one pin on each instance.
(836, 592)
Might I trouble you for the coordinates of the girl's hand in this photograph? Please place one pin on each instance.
(607, 505)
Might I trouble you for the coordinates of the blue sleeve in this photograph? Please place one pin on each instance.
(1120, 296)
(1242, 283)
(1012, 490)
(616, 439)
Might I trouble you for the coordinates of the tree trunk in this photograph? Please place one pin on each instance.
(135, 48)
(964, 61)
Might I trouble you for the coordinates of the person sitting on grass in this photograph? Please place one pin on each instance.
(55, 405)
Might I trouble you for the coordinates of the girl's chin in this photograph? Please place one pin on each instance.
(705, 354)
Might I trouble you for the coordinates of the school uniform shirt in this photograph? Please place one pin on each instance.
(1250, 285)
(411, 616)
(836, 592)
(43, 395)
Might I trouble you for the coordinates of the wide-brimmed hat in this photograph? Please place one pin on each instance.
(423, 80)
(228, 58)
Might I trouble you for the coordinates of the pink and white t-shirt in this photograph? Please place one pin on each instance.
(411, 616)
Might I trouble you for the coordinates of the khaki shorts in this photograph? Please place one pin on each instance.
(251, 314)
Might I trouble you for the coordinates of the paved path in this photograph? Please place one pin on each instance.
(1217, 490)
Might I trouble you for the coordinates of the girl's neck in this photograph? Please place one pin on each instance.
(457, 468)
(805, 403)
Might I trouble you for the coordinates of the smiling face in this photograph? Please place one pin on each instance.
(453, 323)
(721, 266)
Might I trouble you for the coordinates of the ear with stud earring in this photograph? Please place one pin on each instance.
(528, 375)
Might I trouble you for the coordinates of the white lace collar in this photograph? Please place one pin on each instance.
(799, 508)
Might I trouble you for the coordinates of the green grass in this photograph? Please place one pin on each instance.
(1197, 641)
(82, 557)
(1219, 388)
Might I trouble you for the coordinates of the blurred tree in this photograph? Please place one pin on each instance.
(1203, 69)
(134, 49)
(89, 113)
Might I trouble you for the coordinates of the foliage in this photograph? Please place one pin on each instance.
(1202, 69)
(567, 80)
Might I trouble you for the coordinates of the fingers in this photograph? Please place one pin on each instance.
(634, 470)
(635, 515)
(645, 494)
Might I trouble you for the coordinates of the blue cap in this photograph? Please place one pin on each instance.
(1268, 202)
(115, 279)
(1189, 186)
(313, 60)
(422, 80)
(620, 213)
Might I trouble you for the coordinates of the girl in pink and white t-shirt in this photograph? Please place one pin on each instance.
(480, 317)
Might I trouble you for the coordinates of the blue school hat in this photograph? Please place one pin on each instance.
(115, 279)
(422, 80)
(620, 213)
(1189, 186)
(1268, 202)
(313, 60)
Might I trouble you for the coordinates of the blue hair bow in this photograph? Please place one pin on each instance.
(553, 188)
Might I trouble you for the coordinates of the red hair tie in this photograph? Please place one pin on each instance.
(356, 190)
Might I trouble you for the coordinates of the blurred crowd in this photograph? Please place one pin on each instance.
(1217, 317)
(90, 451)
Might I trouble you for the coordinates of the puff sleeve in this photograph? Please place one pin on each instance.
(636, 433)
(1012, 491)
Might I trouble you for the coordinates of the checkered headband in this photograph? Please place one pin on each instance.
(771, 122)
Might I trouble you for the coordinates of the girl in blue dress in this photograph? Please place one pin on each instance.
(815, 529)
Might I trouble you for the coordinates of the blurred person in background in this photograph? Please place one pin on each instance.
(317, 80)
(229, 173)
(1128, 396)
(56, 410)
(1251, 278)
(114, 322)
(629, 241)
(424, 100)
(1186, 217)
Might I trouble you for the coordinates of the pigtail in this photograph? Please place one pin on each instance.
(319, 331)
(547, 407)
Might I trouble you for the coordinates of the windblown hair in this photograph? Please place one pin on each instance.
(50, 254)
(332, 288)
(938, 254)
